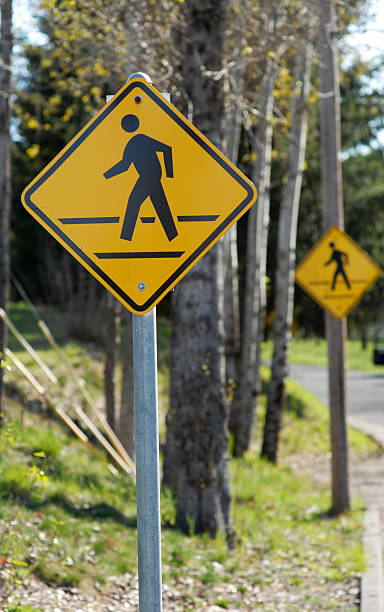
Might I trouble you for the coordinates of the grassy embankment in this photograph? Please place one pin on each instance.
(313, 351)
(68, 519)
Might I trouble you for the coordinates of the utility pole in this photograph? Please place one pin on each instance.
(336, 330)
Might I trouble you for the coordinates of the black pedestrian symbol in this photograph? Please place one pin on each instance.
(141, 151)
(340, 259)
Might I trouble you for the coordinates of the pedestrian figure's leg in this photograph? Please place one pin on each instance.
(163, 211)
(346, 279)
(138, 194)
(334, 279)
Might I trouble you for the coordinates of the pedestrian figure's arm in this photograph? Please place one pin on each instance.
(166, 150)
(168, 161)
(121, 166)
(116, 169)
(328, 262)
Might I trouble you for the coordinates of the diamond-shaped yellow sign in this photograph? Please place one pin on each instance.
(139, 196)
(337, 272)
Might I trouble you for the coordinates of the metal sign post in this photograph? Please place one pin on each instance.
(147, 461)
(147, 456)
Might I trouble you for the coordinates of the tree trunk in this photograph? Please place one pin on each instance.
(364, 338)
(112, 341)
(196, 452)
(5, 172)
(127, 412)
(244, 407)
(286, 252)
(232, 129)
(331, 181)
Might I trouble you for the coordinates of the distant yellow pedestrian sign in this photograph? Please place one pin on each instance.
(337, 272)
(139, 196)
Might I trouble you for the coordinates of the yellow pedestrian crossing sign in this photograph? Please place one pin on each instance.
(139, 195)
(337, 272)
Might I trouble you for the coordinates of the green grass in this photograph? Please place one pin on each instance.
(72, 518)
(68, 519)
(313, 351)
(21, 609)
(75, 523)
(292, 521)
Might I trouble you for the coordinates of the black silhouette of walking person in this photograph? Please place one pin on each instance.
(339, 257)
(141, 151)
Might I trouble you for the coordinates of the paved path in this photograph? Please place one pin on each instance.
(365, 395)
(365, 409)
(365, 390)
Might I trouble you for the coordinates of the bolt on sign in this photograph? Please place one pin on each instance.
(337, 272)
(138, 196)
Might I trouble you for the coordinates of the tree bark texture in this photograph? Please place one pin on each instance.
(127, 411)
(196, 452)
(232, 129)
(331, 180)
(244, 407)
(286, 252)
(112, 341)
(5, 172)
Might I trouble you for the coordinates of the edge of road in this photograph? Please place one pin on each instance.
(371, 599)
(372, 592)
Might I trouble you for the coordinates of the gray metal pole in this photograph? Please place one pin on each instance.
(147, 461)
(147, 454)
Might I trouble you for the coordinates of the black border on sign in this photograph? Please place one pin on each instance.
(188, 129)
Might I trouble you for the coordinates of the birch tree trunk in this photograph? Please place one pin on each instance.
(196, 452)
(127, 412)
(286, 252)
(244, 407)
(232, 129)
(5, 172)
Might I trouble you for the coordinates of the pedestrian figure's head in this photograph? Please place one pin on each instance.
(331, 244)
(130, 123)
